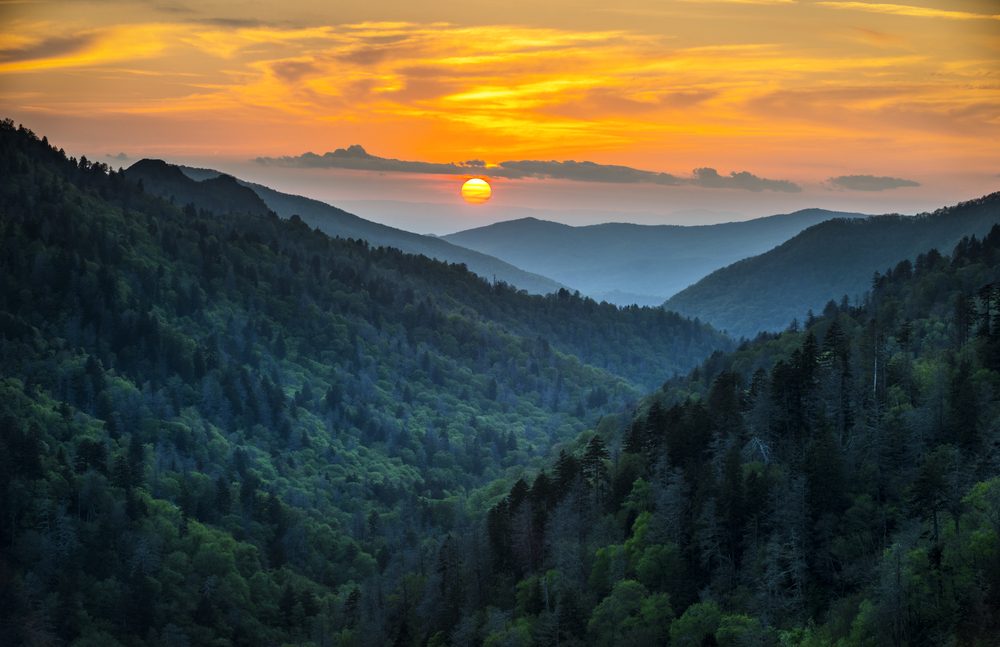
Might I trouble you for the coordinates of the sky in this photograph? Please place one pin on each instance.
(691, 111)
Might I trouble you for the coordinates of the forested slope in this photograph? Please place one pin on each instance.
(220, 193)
(230, 428)
(827, 261)
(838, 484)
(187, 184)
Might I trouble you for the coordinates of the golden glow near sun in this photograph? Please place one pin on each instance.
(476, 191)
(800, 90)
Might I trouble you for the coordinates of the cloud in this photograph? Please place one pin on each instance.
(357, 158)
(236, 23)
(292, 71)
(80, 50)
(869, 182)
(173, 8)
(710, 178)
(910, 11)
(753, 2)
(120, 157)
(582, 172)
(512, 92)
(47, 48)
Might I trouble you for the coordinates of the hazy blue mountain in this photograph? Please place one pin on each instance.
(441, 219)
(626, 263)
(215, 191)
(826, 261)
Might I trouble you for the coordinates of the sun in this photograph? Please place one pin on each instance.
(476, 191)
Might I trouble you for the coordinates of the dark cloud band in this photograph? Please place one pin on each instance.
(357, 158)
(869, 182)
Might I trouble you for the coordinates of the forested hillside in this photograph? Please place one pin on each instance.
(186, 184)
(220, 194)
(836, 484)
(826, 261)
(229, 428)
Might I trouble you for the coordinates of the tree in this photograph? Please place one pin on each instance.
(567, 470)
(630, 616)
(697, 626)
(223, 496)
(740, 631)
(963, 407)
(593, 467)
(931, 488)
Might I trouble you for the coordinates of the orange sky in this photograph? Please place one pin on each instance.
(792, 90)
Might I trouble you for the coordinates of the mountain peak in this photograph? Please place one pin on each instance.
(221, 194)
(155, 167)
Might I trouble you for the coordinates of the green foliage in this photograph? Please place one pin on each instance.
(231, 429)
(826, 486)
(829, 259)
(699, 622)
(340, 224)
(629, 615)
(740, 631)
(228, 428)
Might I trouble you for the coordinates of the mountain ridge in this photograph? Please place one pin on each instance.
(220, 194)
(627, 262)
(829, 260)
(338, 222)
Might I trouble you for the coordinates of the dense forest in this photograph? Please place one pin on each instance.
(834, 484)
(831, 259)
(230, 428)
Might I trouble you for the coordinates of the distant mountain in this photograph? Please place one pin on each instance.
(444, 218)
(337, 222)
(626, 263)
(826, 261)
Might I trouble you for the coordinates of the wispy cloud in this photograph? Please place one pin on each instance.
(750, 2)
(583, 172)
(909, 10)
(36, 50)
(869, 182)
(54, 47)
(524, 93)
(357, 158)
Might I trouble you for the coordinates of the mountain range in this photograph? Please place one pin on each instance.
(215, 191)
(626, 263)
(227, 427)
(830, 260)
(789, 263)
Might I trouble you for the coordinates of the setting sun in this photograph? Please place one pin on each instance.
(476, 191)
